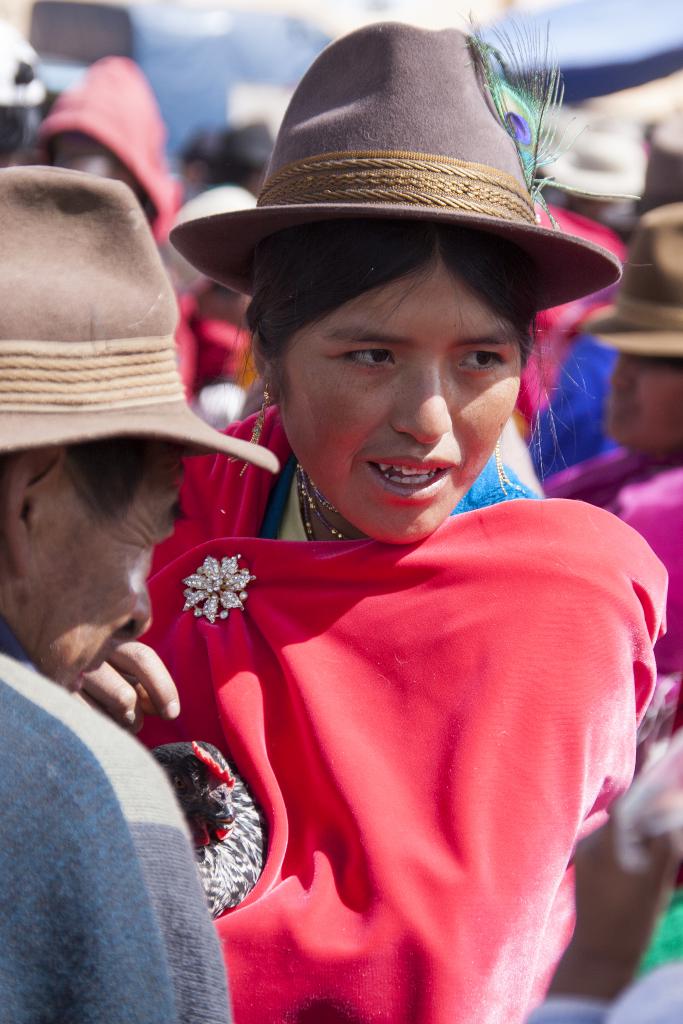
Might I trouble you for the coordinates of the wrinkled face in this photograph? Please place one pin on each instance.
(645, 405)
(87, 592)
(394, 402)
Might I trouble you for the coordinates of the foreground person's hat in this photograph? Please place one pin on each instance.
(395, 122)
(88, 317)
(647, 318)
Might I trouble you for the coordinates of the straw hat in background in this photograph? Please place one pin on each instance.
(603, 155)
(223, 199)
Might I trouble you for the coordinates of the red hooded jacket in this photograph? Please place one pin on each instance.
(115, 105)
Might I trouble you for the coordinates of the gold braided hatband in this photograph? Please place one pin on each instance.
(405, 179)
(121, 373)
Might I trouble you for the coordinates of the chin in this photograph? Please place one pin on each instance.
(67, 676)
(70, 676)
(411, 533)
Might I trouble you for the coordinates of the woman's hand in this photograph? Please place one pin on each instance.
(616, 912)
(133, 683)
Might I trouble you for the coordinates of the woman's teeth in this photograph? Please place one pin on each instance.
(403, 475)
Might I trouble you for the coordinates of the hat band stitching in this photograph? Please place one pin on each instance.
(85, 370)
(96, 388)
(139, 401)
(77, 350)
(115, 373)
(403, 178)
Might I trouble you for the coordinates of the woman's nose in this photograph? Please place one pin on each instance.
(422, 411)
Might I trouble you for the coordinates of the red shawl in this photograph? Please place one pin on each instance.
(429, 729)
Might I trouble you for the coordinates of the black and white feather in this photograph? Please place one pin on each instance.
(227, 826)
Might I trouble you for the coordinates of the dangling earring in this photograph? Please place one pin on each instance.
(257, 429)
(502, 475)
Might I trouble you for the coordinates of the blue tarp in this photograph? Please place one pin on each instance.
(193, 58)
(606, 45)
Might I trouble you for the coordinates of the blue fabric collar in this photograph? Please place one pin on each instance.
(10, 646)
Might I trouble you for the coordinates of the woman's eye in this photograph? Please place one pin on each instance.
(481, 360)
(371, 356)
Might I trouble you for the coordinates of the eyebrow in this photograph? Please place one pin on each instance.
(356, 335)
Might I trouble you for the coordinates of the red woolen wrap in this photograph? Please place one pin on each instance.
(428, 728)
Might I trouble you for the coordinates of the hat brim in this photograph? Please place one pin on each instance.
(170, 421)
(222, 246)
(618, 333)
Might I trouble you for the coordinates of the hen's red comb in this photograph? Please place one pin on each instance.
(205, 757)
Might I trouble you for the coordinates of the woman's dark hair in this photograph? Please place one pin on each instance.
(303, 273)
(107, 473)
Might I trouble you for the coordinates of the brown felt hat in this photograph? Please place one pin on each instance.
(88, 317)
(394, 121)
(647, 318)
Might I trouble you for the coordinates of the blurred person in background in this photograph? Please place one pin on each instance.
(642, 480)
(616, 914)
(664, 176)
(571, 428)
(227, 156)
(21, 98)
(109, 124)
(604, 162)
(213, 332)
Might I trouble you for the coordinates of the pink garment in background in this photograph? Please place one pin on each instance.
(647, 494)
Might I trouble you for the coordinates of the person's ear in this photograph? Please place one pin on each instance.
(260, 361)
(266, 371)
(27, 483)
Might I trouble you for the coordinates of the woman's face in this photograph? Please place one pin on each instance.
(394, 402)
(645, 405)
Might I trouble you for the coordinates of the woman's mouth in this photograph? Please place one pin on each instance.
(408, 480)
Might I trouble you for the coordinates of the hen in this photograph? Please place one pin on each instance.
(227, 827)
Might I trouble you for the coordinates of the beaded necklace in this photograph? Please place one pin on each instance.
(311, 500)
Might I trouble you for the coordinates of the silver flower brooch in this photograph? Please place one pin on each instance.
(215, 588)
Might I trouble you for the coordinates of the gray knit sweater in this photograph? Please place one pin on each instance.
(102, 919)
